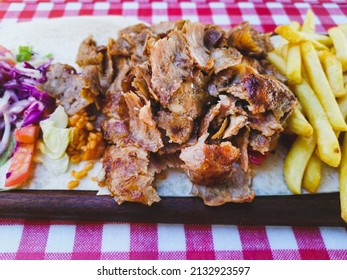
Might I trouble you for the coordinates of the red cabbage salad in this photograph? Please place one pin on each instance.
(21, 102)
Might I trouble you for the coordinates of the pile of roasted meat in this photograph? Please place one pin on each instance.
(183, 95)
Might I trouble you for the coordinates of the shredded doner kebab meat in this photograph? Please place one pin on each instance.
(186, 95)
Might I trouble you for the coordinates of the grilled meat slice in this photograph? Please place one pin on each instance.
(242, 141)
(107, 68)
(123, 68)
(88, 53)
(163, 28)
(189, 99)
(194, 34)
(224, 107)
(143, 129)
(235, 189)
(267, 124)
(170, 64)
(75, 92)
(158, 164)
(235, 124)
(225, 58)
(260, 143)
(115, 106)
(127, 175)
(115, 131)
(249, 41)
(264, 93)
(142, 81)
(128, 41)
(178, 127)
(213, 36)
(209, 164)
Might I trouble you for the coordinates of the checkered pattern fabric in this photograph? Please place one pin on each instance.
(263, 15)
(74, 240)
(22, 239)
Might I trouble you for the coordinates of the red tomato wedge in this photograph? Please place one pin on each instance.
(27, 134)
(256, 158)
(20, 166)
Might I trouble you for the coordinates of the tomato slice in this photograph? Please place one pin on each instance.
(27, 134)
(256, 157)
(20, 165)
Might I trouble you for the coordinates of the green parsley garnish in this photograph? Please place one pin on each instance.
(24, 54)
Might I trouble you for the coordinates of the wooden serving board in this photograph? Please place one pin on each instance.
(303, 210)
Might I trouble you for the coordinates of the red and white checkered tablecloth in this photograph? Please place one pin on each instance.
(27, 239)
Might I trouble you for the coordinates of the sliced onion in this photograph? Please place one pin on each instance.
(5, 140)
(18, 107)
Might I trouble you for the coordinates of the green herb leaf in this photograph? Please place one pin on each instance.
(24, 53)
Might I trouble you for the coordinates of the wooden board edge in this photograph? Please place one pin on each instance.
(303, 210)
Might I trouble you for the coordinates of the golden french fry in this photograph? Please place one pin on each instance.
(284, 51)
(321, 86)
(308, 24)
(296, 161)
(343, 28)
(333, 70)
(298, 124)
(278, 42)
(296, 37)
(342, 102)
(294, 64)
(312, 174)
(320, 38)
(278, 61)
(299, 107)
(328, 145)
(343, 180)
(340, 45)
(295, 25)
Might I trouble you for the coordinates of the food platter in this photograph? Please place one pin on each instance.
(303, 210)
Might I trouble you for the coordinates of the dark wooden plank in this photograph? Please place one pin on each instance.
(304, 210)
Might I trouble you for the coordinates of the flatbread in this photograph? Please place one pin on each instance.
(62, 37)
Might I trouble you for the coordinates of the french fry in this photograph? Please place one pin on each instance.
(320, 38)
(278, 61)
(312, 174)
(308, 24)
(294, 64)
(321, 86)
(343, 180)
(296, 37)
(343, 28)
(342, 102)
(340, 45)
(295, 25)
(333, 70)
(284, 51)
(298, 124)
(328, 145)
(296, 161)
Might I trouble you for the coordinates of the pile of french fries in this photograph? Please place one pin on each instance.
(316, 68)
